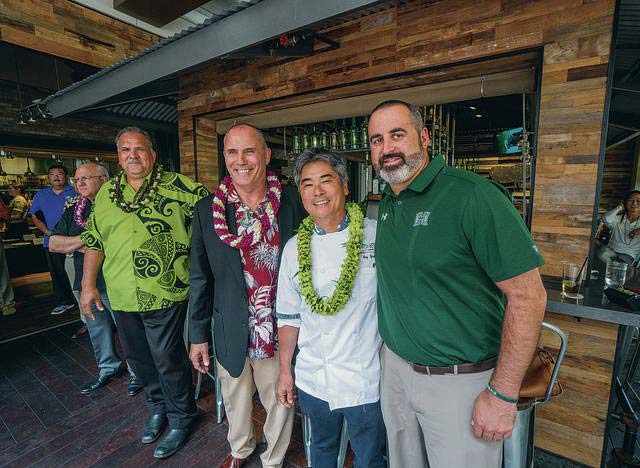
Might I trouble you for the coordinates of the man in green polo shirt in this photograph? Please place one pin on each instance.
(449, 245)
(140, 228)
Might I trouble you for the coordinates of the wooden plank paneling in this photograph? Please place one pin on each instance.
(65, 29)
(573, 423)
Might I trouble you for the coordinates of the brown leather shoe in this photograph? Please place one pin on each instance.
(233, 462)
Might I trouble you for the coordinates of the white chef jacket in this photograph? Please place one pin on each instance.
(339, 355)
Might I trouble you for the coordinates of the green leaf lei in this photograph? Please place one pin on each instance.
(142, 198)
(349, 269)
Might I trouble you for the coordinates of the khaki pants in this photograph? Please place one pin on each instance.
(261, 375)
(428, 418)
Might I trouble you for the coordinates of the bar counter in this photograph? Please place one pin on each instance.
(595, 305)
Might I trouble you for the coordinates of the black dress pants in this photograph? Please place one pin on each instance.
(61, 288)
(154, 346)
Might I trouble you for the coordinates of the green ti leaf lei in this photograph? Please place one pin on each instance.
(348, 272)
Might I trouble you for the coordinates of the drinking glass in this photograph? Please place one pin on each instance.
(616, 274)
(570, 280)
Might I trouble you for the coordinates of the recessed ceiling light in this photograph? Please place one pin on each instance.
(472, 108)
(478, 115)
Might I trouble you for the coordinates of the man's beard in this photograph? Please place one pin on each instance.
(401, 172)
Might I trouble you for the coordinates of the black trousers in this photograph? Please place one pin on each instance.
(154, 346)
(61, 288)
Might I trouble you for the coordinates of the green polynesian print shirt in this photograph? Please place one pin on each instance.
(146, 264)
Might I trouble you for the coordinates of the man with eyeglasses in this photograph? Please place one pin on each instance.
(46, 211)
(65, 238)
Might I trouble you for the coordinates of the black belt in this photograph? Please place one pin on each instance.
(465, 368)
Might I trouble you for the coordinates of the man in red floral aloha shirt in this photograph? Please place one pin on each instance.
(236, 242)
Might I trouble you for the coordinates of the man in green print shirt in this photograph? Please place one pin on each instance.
(140, 229)
(449, 245)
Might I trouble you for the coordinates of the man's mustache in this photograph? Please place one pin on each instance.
(391, 156)
(133, 160)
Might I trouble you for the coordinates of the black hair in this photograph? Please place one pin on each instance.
(59, 166)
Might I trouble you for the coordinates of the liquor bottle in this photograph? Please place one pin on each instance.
(342, 136)
(322, 139)
(305, 140)
(364, 133)
(295, 142)
(354, 134)
(314, 137)
(333, 136)
(375, 186)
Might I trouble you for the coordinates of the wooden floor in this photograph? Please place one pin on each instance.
(45, 421)
(34, 302)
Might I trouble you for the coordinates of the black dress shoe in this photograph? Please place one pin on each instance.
(172, 442)
(153, 427)
(134, 387)
(100, 382)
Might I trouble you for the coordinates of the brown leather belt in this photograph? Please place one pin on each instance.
(466, 368)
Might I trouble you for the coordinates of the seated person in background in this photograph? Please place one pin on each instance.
(7, 300)
(623, 223)
(17, 224)
(327, 306)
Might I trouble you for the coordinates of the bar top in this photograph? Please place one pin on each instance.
(595, 305)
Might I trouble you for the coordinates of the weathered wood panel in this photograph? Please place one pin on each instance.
(65, 29)
(573, 423)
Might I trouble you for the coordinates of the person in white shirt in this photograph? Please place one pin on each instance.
(624, 224)
(326, 304)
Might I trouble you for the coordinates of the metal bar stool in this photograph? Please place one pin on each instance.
(518, 449)
(306, 438)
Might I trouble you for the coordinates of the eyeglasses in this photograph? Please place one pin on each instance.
(85, 178)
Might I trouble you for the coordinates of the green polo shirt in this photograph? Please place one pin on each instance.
(441, 246)
(146, 264)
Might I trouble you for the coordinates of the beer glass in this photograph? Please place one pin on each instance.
(570, 280)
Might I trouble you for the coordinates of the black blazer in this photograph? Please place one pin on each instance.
(217, 280)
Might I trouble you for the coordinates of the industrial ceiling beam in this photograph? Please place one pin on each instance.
(157, 12)
(253, 25)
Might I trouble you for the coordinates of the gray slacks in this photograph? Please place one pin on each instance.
(428, 417)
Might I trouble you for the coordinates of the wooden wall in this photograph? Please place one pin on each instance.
(573, 423)
(575, 37)
(65, 29)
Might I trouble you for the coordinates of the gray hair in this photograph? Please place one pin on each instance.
(416, 118)
(257, 130)
(333, 158)
(101, 171)
(144, 133)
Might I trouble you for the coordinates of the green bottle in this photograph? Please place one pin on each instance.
(364, 133)
(354, 135)
(342, 136)
(333, 136)
(322, 139)
(295, 142)
(305, 140)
